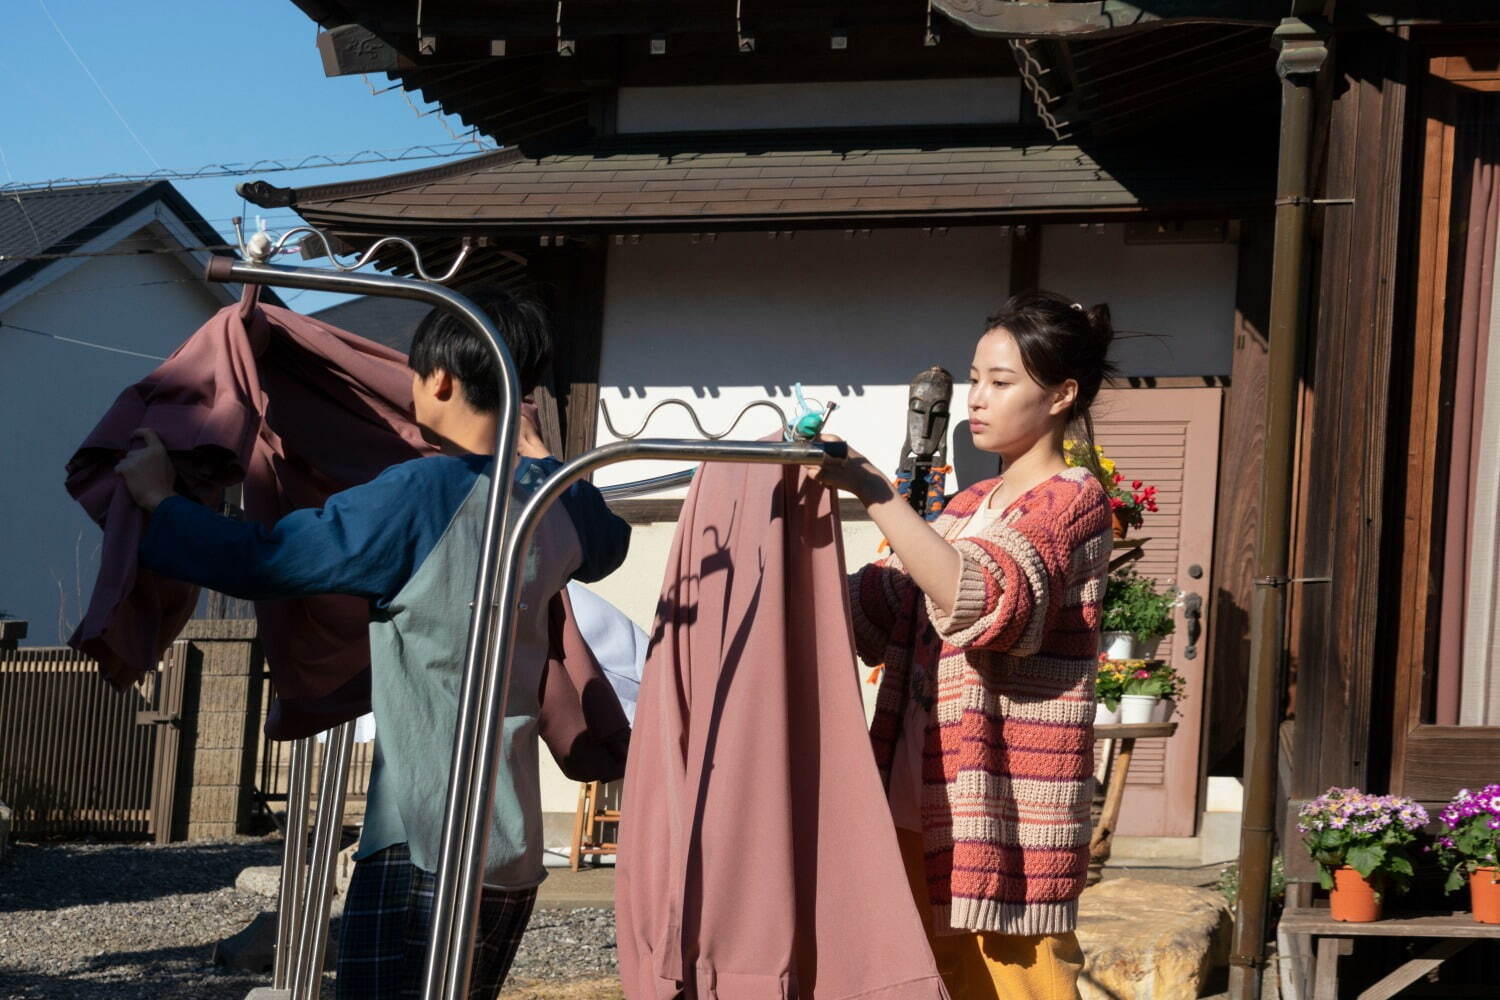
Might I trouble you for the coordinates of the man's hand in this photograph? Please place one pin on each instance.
(148, 471)
(529, 443)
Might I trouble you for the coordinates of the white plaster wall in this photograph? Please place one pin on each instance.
(975, 101)
(51, 395)
(724, 323)
(741, 318)
(1173, 305)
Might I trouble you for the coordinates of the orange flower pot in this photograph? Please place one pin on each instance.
(1484, 895)
(1121, 525)
(1353, 899)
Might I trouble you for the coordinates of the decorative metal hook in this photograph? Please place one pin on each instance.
(693, 416)
(369, 255)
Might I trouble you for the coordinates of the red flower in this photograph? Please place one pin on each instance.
(1116, 503)
(1135, 484)
(1119, 478)
(1142, 674)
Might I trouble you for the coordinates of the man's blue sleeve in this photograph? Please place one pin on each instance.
(603, 536)
(365, 541)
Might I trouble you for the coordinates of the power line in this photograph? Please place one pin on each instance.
(80, 343)
(315, 161)
(97, 85)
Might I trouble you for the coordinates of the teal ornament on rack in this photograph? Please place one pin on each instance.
(809, 421)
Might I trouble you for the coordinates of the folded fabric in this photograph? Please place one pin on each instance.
(581, 720)
(757, 857)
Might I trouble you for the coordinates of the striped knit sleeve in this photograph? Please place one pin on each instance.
(1002, 597)
(873, 603)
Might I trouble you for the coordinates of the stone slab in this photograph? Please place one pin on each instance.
(1149, 941)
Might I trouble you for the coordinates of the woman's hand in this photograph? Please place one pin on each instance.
(854, 474)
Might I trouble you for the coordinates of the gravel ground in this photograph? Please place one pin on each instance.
(109, 921)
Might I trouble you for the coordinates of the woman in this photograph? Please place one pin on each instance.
(987, 623)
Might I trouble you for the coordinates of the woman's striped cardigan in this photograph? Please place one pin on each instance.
(1009, 676)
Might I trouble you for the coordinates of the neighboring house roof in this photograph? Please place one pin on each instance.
(386, 321)
(39, 225)
(834, 178)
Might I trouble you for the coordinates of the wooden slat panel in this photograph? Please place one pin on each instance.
(73, 758)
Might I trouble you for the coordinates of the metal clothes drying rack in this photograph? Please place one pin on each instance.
(488, 653)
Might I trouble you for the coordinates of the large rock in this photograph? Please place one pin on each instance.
(265, 880)
(1148, 941)
(262, 880)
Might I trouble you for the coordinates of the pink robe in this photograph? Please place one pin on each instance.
(757, 856)
(297, 410)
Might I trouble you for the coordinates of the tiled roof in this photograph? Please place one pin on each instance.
(40, 222)
(833, 178)
(38, 225)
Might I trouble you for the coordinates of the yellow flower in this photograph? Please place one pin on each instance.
(1107, 465)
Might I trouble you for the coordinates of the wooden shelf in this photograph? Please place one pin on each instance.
(1446, 924)
(1135, 731)
(1129, 550)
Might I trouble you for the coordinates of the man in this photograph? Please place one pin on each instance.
(410, 542)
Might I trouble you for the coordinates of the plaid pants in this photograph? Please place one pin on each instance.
(387, 921)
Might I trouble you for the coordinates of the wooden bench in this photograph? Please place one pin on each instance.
(1450, 932)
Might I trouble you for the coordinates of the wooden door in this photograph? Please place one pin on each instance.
(1170, 438)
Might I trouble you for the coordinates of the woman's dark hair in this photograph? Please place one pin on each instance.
(1060, 340)
(443, 341)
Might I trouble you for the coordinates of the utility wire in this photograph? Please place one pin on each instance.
(315, 161)
(80, 343)
(97, 85)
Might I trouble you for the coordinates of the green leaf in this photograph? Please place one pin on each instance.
(1365, 858)
(1399, 865)
(1325, 877)
(1455, 881)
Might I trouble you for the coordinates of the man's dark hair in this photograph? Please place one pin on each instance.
(443, 341)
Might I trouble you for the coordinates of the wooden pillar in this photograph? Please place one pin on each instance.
(571, 281)
(1343, 671)
(1025, 257)
(1236, 516)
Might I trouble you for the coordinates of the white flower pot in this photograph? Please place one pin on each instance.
(1136, 709)
(1117, 645)
(1164, 710)
(1104, 717)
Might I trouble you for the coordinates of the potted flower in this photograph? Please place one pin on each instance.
(1135, 615)
(1175, 694)
(1362, 846)
(1128, 505)
(1109, 685)
(1146, 683)
(1469, 847)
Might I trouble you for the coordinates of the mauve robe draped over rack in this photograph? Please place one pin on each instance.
(757, 857)
(297, 410)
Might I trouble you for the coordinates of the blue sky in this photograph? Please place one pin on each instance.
(198, 82)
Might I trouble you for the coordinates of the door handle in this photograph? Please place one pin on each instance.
(1192, 614)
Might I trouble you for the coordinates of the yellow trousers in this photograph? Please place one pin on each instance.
(990, 966)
